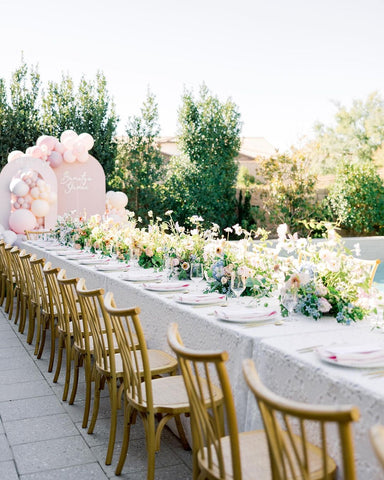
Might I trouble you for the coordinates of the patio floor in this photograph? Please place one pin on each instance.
(41, 436)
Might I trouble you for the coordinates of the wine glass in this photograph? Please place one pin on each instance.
(289, 300)
(134, 258)
(196, 274)
(237, 285)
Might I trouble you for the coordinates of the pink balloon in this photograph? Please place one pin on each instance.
(69, 157)
(87, 140)
(70, 142)
(20, 200)
(21, 220)
(13, 155)
(28, 151)
(16, 205)
(79, 148)
(55, 159)
(67, 134)
(48, 141)
(83, 158)
(60, 147)
(40, 221)
(36, 152)
(35, 192)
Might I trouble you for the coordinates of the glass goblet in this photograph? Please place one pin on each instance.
(196, 274)
(237, 285)
(289, 300)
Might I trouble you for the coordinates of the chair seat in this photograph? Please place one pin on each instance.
(255, 461)
(170, 395)
(159, 362)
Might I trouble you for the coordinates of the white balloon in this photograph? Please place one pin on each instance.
(18, 187)
(2, 229)
(118, 200)
(35, 192)
(87, 140)
(9, 237)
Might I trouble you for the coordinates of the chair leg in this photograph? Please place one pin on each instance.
(31, 322)
(39, 328)
(180, 430)
(53, 343)
(2, 294)
(68, 361)
(96, 402)
(18, 301)
(23, 313)
(88, 389)
(128, 413)
(9, 294)
(11, 302)
(112, 385)
(59, 358)
(76, 368)
(151, 446)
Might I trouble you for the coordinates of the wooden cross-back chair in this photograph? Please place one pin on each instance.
(146, 394)
(10, 280)
(376, 434)
(108, 357)
(19, 285)
(36, 234)
(46, 312)
(65, 326)
(286, 423)
(3, 272)
(33, 297)
(218, 454)
(82, 340)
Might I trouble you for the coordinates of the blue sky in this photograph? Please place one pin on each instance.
(282, 62)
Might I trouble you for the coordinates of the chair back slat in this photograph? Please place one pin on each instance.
(93, 312)
(70, 310)
(17, 268)
(287, 426)
(133, 349)
(37, 265)
(207, 417)
(56, 304)
(27, 271)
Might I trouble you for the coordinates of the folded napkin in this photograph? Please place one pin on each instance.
(111, 267)
(353, 354)
(165, 287)
(84, 256)
(244, 316)
(201, 299)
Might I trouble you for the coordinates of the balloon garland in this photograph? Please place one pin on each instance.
(71, 148)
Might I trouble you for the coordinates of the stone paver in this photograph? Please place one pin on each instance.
(41, 437)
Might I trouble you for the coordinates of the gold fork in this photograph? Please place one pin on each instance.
(308, 349)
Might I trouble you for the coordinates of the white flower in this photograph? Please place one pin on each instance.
(228, 230)
(357, 250)
(195, 231)
(282, 230)
(169, 212)
(150, 214)
(196, 219)
(238, 230)
(324, 305)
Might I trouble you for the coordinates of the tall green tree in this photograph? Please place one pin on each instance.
(209, 139)
(356, 136)
(139, 163)
(88, 109)
(20, 111)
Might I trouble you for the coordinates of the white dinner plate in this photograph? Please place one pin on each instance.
(84, 256)
(205, 299)
(166, 287)
(236, 316)
(92, 261)
(112, 268)
(353, 356)
(141, 277)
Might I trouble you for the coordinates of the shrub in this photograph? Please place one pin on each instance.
(357, 198)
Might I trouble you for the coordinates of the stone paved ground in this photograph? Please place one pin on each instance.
(41, 437)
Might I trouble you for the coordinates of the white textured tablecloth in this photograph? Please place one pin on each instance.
(302, 377)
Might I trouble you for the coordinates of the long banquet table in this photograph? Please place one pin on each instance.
(300, 376)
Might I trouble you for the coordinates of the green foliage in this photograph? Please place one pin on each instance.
(19, 111)
(139, 163)
(288, 190)
(244, 178)
(357, 198)
(209, 140)
(357, 135)
(87, 109)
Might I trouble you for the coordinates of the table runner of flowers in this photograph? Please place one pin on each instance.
(323, 276)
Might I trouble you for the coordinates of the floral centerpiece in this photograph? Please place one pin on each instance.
(325, 280)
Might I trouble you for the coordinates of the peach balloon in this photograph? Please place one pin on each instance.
(20, 200)
(15, 154)
(28, 198)
(40, 208)
(52, 198)
(69, 143)
(79, 148)
(44, 195)
(87, 140)
(69, 157)
(35, 192)
(28, 151)
(27, 205)
(40, 221)
(21, 220)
